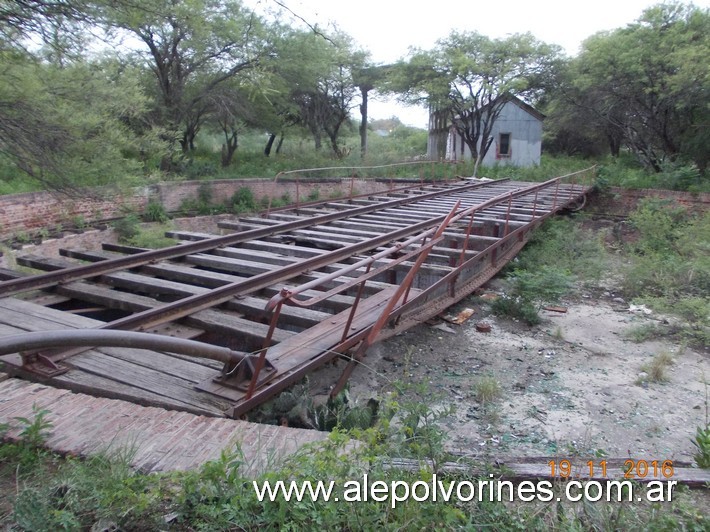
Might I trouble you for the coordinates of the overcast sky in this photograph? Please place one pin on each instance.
(388, 28)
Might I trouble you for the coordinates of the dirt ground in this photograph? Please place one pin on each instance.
(572, 385)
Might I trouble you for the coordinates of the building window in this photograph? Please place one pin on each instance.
(504, 145)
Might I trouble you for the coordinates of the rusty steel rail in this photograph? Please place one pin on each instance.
(469, 231)
(17, 286)
(366, 339)
(285, 296)
(189, 305)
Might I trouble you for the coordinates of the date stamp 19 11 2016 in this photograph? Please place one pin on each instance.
(631, 469)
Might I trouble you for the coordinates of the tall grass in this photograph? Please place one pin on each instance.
(670, 264)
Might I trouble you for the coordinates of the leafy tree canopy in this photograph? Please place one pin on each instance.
(647, 86)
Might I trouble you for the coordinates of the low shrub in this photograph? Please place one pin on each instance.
(127, 227)
(530, 290)
(155, 212)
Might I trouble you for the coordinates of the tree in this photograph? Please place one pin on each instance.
(299, 59)
(192, 47)
(469, 76)
(325, 101)
(648, 85)
(366, 79)
(66, 126)
(64, 118)
(232, 113)
(40, 19)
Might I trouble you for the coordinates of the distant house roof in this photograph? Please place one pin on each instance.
(524, 106)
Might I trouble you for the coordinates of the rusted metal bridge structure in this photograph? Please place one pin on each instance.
(218, 324)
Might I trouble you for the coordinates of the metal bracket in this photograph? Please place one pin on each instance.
(239, 376)
(41, 365)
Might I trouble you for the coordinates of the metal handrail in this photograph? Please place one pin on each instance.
(276, 303)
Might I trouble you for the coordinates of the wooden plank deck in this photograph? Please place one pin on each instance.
(147, 377)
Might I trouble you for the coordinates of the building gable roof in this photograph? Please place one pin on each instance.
(525, 106)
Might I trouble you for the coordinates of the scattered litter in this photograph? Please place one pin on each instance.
(555, 308)
(444, 327)
(461, 317)
(483, 326)
(642, 309)
(489, 296)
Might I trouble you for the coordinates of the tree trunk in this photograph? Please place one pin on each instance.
(363, 123)
(614, 144)
(269, 144)
(229, 148)
(476, 165)
(281, 142)
(319, 142)
(187, 142)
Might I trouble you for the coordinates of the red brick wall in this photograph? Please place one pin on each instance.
(34, 210)
(620, 201)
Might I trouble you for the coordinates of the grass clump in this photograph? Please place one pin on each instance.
(564, 244)
(130, 232)
(640, 333)
(105, 493)
(656, 369)
(243, 201)
(155, 212)
(101, 491)
(487, 390)
(127, 227)
(702, 437)
(152, 237)
(558, 254)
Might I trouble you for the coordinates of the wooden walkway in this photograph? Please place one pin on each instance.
(161, 440)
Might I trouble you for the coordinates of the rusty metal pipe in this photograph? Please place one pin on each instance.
(18, 343)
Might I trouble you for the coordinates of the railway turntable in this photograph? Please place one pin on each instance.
(218, 324)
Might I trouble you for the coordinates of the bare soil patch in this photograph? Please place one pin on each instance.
(574, 384)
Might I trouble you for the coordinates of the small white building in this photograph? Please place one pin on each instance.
(517, 138)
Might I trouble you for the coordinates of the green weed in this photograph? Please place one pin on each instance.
(127, 227)
(151, 237)
(702, 445)
(669, 266)
(641, 333)
(487, 390)
(82, 494)
(243, 201)
(34, 430)
(702, 437)
(155, 212)
(530, 290)
(28, 451)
